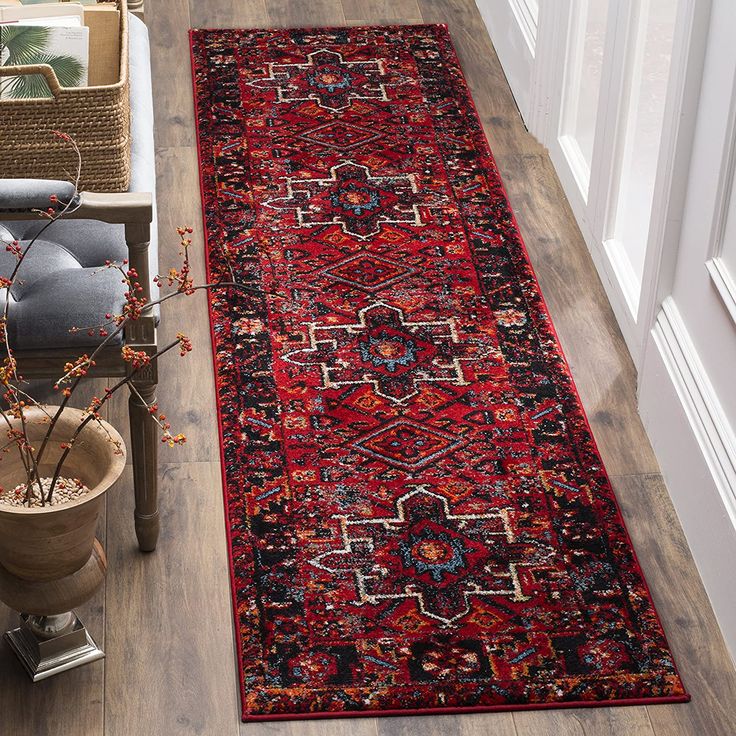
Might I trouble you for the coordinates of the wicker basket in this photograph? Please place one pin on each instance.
(97, 118)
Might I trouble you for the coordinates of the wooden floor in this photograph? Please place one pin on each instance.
(164, 619)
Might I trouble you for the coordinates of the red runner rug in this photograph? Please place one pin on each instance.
(419, 520)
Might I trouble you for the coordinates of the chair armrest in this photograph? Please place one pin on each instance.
(17, 202)
(123, 208)
(24, 195)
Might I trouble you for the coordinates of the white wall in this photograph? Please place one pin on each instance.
(514, 25)
(683, 333)
(688, 379)
(701, 306)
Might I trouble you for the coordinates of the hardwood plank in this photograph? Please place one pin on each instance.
(475, 724)
(228, 14)
(383, 21)
(170, 654)
(691, 627)
(72, 703)
(628, 721)
(331, 727)
(386, 10)
(291, 14)
(601, 365)
(493, 99)
(186, 388)
(173, 105)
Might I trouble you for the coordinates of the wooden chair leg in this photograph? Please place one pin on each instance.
(144, 441)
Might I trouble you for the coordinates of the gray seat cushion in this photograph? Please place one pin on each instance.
(63, 283)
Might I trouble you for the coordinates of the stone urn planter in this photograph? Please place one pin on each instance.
(50, 560)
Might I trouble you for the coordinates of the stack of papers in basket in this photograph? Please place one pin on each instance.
(47, 33)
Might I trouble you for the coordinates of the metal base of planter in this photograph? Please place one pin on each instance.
(48, 645)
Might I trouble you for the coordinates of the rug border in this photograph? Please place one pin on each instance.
(468, 709)
(213, 344)
(248, 717)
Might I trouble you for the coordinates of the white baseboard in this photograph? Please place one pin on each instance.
(513, 33)
(628, 280)
(696, 449)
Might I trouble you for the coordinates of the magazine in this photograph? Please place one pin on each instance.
(60, 40)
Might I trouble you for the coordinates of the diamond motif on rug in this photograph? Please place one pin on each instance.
(369, 272)
(407, 445)
(340, 135)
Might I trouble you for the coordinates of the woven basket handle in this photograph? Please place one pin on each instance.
(44, 69)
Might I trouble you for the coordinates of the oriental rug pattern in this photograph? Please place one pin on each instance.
(418, 516)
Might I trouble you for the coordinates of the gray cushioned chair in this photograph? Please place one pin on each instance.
(63, 285)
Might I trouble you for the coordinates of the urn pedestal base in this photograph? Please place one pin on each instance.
(48, 645)
(51, 638)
